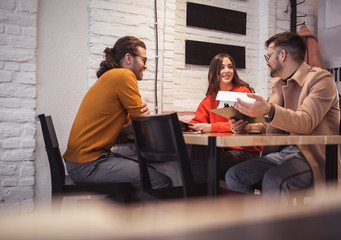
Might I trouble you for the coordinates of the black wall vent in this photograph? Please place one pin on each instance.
(221, 19)
(201, 53)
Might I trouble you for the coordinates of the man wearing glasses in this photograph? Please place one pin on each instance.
(303, 101)
(103, 113)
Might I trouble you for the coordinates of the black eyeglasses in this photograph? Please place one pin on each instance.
(144, 59)
(268, 55)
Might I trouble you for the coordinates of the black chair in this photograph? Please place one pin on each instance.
(62, 185)
(158, 138)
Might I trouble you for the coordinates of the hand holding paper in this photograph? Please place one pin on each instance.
(253, 109)
(229, 99)
(227, 102)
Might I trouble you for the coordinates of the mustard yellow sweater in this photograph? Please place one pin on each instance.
(101, 115)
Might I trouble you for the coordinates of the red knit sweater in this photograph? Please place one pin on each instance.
(218, 123)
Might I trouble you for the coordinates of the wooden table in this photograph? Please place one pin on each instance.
(214, 140)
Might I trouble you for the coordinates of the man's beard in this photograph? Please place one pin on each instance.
(275, 70)
(138, 72)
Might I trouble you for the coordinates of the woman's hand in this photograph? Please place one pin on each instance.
(238, 126)
(204, 127)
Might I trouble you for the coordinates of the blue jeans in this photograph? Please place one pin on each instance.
(278, 173)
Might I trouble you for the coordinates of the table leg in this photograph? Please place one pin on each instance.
(212, 167)
(331, 162)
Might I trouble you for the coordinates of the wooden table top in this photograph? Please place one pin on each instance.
(231, 139)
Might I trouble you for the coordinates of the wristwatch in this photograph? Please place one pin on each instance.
(270, 115)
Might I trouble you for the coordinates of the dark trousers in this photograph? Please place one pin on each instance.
(226, 159)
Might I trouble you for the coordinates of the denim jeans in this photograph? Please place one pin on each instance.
(278, 173)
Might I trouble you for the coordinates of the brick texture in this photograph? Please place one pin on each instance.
(18, 26)
(181, 87)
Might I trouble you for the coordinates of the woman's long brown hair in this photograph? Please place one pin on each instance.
(214, 75)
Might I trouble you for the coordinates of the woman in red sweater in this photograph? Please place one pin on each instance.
(222, 76)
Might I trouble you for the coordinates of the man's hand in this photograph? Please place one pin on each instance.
(144, 109)
(255, 109)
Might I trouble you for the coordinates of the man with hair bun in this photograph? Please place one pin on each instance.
(104, 111)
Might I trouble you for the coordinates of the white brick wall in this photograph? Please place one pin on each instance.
(113, 19)
(18, 21)
(181, 87)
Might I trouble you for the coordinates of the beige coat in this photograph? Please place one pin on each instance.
(307, 104)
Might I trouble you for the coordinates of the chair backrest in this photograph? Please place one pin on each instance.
(159, 138)
(53, 153)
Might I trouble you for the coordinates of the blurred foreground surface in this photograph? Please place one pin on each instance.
(225, 217)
